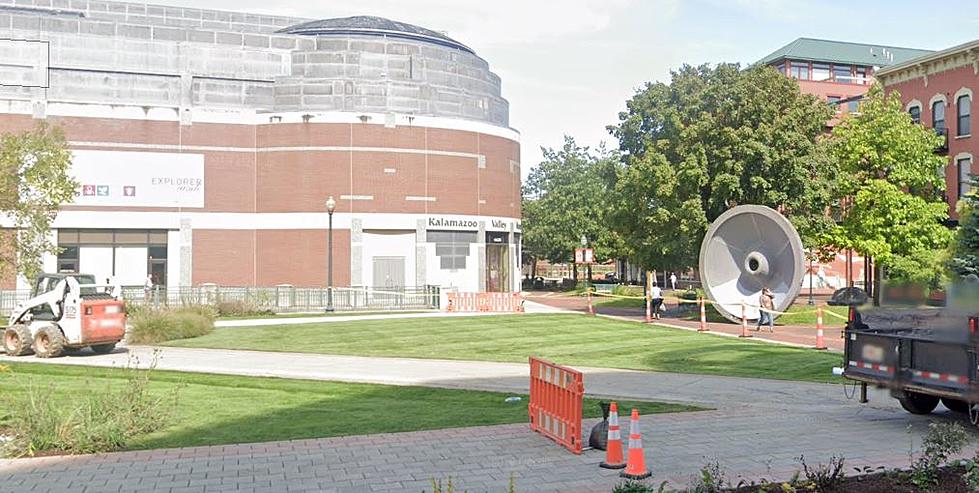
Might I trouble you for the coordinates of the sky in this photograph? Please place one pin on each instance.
(569, 66)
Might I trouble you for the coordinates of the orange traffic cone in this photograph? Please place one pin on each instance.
(636, 467)
(703, 317)
(613, 451)
(744, 321)
(820, 341)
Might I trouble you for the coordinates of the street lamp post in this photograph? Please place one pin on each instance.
(811, 301)
(331, 206)
(587, 268)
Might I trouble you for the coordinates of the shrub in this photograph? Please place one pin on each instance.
(942, 440)
(153, 325)
(239, 308)
(95, 420)
(623, 290)
(638, 487)
(824, 477)
(711, 478)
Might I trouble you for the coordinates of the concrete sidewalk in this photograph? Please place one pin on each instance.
(714, 391)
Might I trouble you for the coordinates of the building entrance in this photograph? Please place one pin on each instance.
(497, 263)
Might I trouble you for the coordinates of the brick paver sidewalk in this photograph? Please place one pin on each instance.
(750, 442)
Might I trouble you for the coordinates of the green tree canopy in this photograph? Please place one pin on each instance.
(564, 198)
(35, 182)
(965, 255)
(893, 181)
(712, 138)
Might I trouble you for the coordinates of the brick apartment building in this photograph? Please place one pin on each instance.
(837, 72)
(938, 90)
(208, 142)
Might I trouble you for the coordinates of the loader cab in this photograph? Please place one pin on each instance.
(47, 282)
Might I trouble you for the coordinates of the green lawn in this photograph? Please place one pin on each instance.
(217, 409)
(568, 339)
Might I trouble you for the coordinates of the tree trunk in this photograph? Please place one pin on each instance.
(868, 284)
(574, 270)
(878, 280)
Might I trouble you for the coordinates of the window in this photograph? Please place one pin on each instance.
(965, 176)
(842, 74)
(915, 112)
(820, 71)
(853, 106)
(68, 260)
(861, 76)
(964, 113)
(780, 67)
(799, 70)
(452, 247)
(938, 116)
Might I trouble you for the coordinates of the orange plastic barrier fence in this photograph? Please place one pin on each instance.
(556, 394)
(484, 302)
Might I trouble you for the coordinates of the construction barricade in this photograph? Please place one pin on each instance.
(556, 394)
(484, 302)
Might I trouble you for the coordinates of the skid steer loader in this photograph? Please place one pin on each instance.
(66, 312)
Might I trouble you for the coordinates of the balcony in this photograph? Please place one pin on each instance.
(942, 148)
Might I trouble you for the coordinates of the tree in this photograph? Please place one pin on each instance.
(712, 138)
(965, 255)
(890, 174)
(35, 180)
(564, 198)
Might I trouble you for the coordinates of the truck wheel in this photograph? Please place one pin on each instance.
(916, 403)
(103, 348)
(17, 340)
(956, 405)
(49, 342)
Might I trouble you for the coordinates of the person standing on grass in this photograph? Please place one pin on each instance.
(673, 280)
(656, 294)
(767, 303)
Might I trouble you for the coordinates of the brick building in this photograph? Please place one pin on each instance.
(837, 72)
(207, 143)
(938, 90)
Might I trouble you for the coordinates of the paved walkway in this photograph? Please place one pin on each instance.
(757, 430)
(793, 335)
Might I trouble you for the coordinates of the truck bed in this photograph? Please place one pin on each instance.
(929, 350)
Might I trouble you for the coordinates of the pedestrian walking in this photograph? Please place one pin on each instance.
(673, 280)
(656, 294)
(147, 287)
(766, 302)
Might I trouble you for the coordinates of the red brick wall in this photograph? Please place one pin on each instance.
(224, 257)
(298, 257)
(947, 83)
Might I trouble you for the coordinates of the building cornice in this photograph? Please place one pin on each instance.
(963, 55)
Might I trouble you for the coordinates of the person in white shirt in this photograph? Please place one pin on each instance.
(673, 280)
(656, 295)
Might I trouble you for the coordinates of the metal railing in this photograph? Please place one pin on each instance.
(278, 299)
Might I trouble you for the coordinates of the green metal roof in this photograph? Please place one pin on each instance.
(823, 50)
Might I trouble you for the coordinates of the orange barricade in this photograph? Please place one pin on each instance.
(484, 302)
(556, 394)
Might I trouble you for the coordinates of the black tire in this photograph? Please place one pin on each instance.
(103, 348)
(49, 342)
(17, 340)
(956, 405)
(916, 403)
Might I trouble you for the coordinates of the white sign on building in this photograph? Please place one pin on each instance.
(138, 179)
